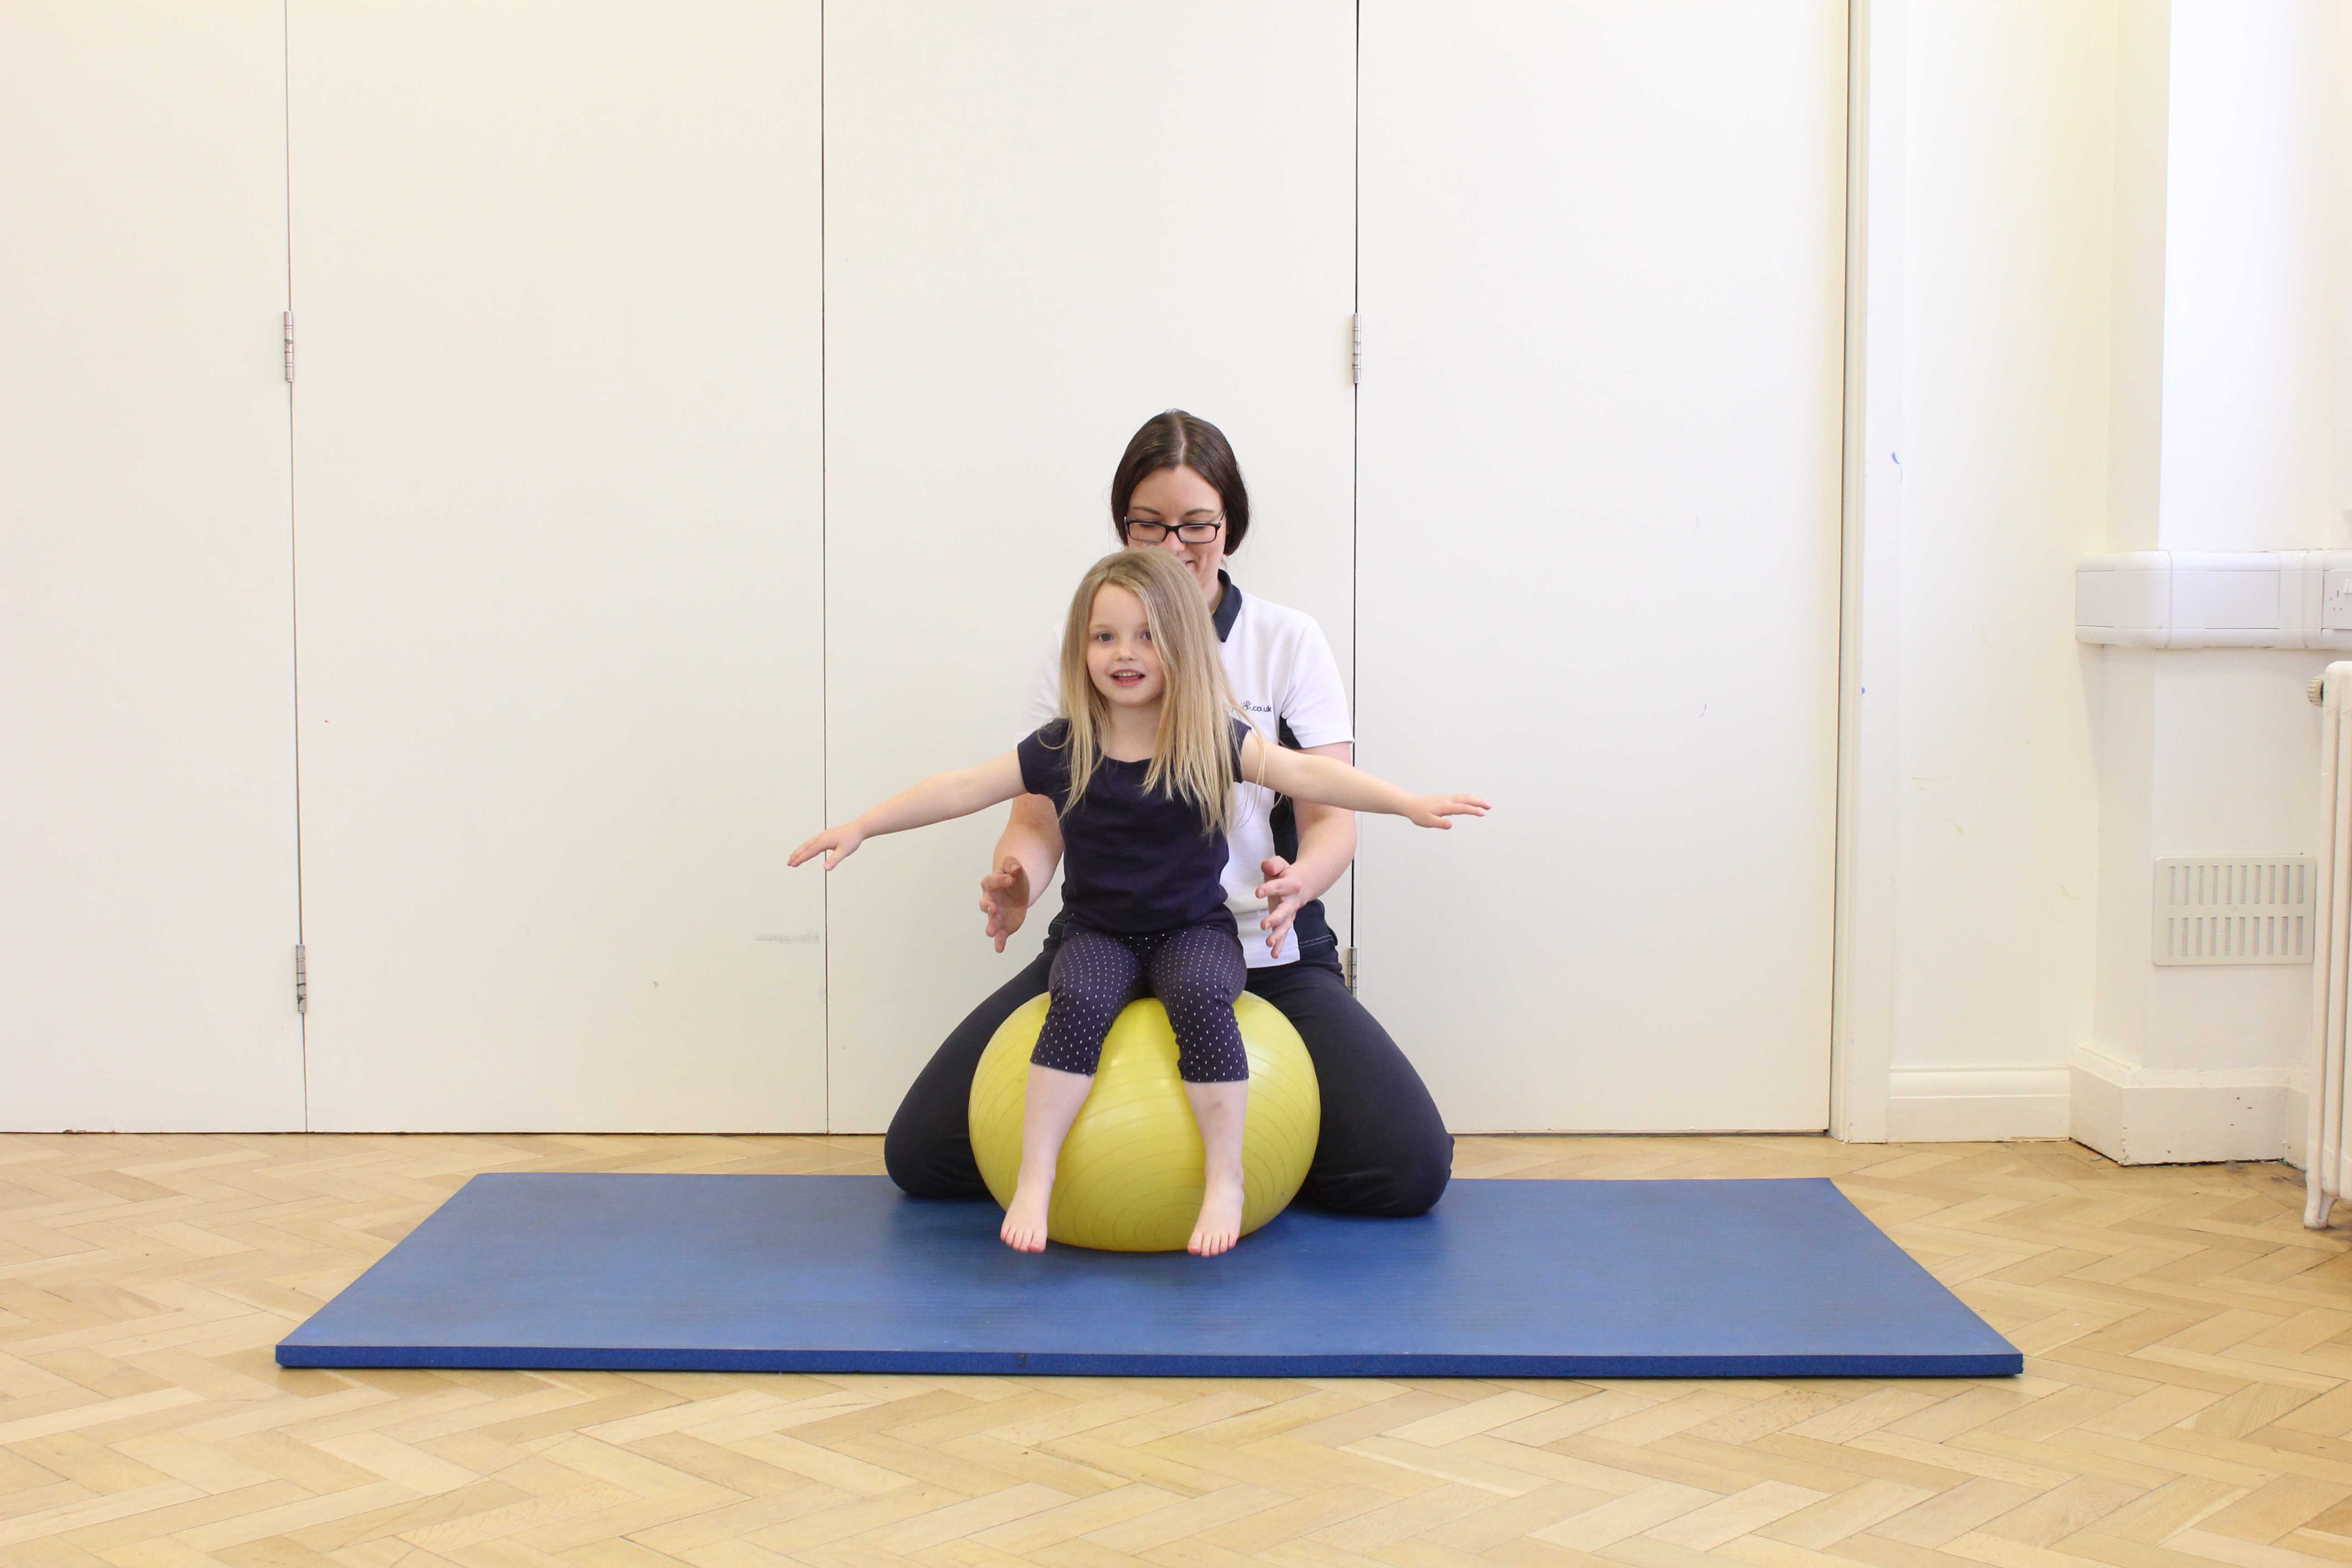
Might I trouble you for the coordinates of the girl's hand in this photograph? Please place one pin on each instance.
(1283, 893)
(841, 842)
(1004, 898)
(1432, 810)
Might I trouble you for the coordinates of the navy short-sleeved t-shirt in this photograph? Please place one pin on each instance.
(1133, 860)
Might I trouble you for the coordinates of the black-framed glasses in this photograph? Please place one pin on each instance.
(1151, 531)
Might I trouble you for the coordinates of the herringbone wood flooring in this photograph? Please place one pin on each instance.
(2185, 1399)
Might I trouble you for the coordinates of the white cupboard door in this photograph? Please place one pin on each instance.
(1046, 222)
(146, 603)
(558, 506)
(1598, 569)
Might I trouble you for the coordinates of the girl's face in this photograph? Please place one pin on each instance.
(1121, 659)
(1175, 496)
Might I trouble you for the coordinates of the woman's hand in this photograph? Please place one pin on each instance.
(1432, 810)
(841, 842)
(1004, 898)
(1284, 894)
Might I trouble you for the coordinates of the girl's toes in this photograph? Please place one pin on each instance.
(1220, 1223)
(1026, 1218)
(1207, 1243)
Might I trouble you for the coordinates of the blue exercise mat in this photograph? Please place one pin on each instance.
(1504, 1278)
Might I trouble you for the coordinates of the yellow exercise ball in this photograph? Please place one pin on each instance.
(1131, 1175)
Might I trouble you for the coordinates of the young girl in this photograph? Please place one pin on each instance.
(1141, 765)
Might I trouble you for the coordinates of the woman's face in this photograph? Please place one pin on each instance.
(1175, 496)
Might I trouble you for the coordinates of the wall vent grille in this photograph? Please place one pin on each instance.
(2234, 910)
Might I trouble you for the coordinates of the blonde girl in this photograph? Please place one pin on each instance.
(1139, 766)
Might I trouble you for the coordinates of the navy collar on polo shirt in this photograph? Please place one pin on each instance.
(1228, 606)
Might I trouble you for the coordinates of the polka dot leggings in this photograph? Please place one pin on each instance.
(1195, 970)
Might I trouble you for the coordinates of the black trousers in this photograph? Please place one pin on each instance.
(1384, 1150)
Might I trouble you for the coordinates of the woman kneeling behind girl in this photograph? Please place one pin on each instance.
(1140, 765)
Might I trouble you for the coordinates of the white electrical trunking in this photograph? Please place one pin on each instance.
(2183, 598)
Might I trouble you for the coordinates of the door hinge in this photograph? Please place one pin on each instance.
(290, 348)
(1355, 349)
(301, 979)
(1347, 968)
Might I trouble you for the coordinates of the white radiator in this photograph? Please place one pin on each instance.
(2325, 1171)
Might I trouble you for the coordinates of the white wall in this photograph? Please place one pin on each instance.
(2255, 298)
(2104, 306)
(557, 413)
(2236, 204)
(1664, 779)
(2112, 318)
(148, 908)
(1989, 374)
(995, 332)
(2135, 348)
(556, 439)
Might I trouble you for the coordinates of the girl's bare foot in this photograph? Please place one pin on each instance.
(1024, 1218)
(1220, 1224)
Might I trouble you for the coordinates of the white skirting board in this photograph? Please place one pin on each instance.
(2139, 1116)
(1931, 1105)
(2135, 1116)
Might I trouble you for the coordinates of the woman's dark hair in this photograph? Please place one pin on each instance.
(1177, 441)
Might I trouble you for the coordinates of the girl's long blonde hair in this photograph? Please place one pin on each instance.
(1192, 758)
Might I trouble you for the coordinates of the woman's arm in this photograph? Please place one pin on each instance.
(936, 799)
(1327, 845)
(1334, 782)
(1026, 854)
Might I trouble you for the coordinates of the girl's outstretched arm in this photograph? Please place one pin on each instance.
(936, 799)
(1334, 782)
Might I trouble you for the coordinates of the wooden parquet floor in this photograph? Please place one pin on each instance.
(2187, 1346)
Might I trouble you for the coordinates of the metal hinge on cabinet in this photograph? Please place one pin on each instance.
(290, 348)
(1355, 347)
(302, 980)
(1347, 968)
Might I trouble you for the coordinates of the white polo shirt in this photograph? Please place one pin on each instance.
(1283, 674)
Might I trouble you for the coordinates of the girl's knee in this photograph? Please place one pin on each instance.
(1071, 1038)
(1068, 1055)
(1212, 1055)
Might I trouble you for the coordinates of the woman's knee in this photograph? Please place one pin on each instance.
(1385, 1151)
(927, 1159)
(1421, 1179)
(1404, 1182)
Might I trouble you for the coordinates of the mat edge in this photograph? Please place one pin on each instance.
(1077, 1364)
